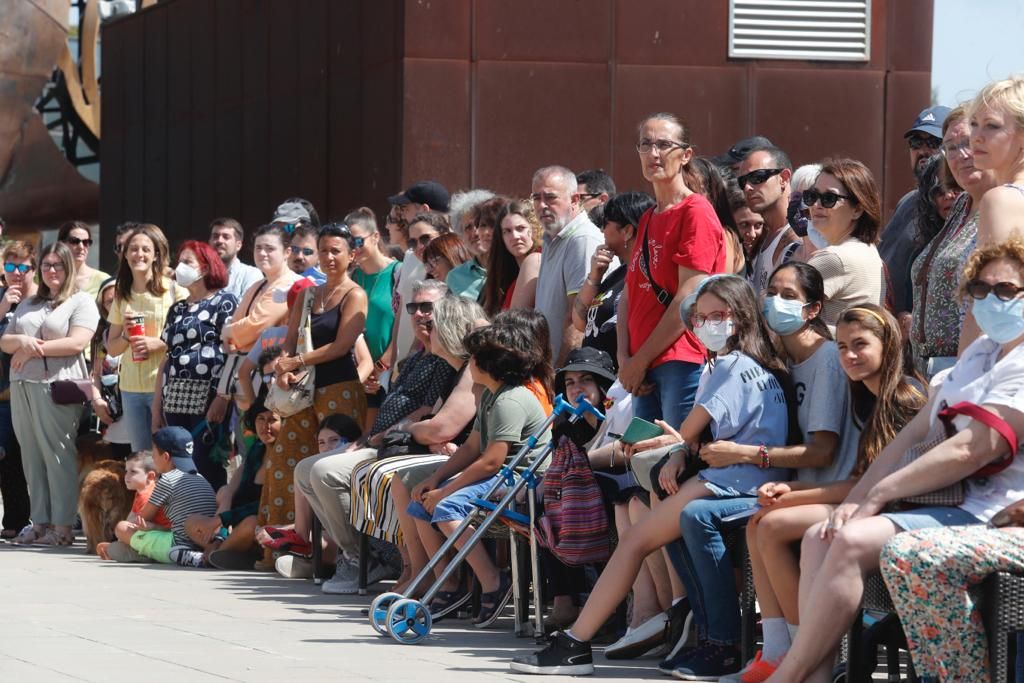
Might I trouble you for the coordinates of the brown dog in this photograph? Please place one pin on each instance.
(103, 499)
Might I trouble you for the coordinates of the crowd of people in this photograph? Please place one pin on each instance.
(772, 360)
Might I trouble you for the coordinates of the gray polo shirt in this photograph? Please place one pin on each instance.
(241, 276)
(564, 265)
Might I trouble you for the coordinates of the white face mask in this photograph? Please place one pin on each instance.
(714, 335)
(817, 239)
(186, 275)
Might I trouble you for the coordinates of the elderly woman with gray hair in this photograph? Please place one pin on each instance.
(325, 480)
(381, 487)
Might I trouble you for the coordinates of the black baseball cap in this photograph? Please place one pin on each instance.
(426, 192)
(587, 359)
(739, 151)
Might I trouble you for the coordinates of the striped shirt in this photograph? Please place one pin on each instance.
(181, 495)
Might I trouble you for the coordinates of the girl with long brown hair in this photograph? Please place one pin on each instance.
(514, 259)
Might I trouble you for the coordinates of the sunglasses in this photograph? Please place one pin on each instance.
(423, 307)
(424, 240)
(919, 142)
(305, 251)
(1004, 291)
(76, 241)
(828, 199)
(17, 267)
(55, 267)
(343, 232)
(759, 176)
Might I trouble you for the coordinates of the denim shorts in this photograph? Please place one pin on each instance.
(930, 517)
(457, 506)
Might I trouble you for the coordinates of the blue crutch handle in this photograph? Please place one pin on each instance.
(584, 406)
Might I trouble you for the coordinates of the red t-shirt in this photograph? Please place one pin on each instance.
(142, 497)
(690, 235)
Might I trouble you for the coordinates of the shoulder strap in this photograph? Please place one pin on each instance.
(660, 293)
(790, 251)
(256, 294)
(992, 421)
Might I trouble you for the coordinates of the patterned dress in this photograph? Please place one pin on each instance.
(928, 573)
(935, 276)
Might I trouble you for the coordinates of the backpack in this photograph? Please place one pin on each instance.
(575, 524)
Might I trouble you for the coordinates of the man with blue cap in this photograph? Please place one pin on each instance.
(899, 246)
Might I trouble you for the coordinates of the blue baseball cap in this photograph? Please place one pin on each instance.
(178, 442)
(930, 121)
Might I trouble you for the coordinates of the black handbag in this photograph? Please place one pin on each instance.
(398, 443)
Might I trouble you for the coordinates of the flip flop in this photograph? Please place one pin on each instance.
(287, 540)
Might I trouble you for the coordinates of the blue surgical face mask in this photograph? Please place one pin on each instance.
(1002, 321)
(817, 239)
(785, 316)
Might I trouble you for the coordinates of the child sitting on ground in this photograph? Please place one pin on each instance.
(140, 476)
(181, 492)
(238, 501)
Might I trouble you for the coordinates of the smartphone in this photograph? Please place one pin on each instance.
(641, 430)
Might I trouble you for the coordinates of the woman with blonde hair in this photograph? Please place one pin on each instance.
(997, 141)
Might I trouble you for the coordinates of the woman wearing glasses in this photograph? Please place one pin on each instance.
(46, 338)
(377, 273)
(940, 326)
(838, 554)
(78, 238)
(845, 211)
(19, 259)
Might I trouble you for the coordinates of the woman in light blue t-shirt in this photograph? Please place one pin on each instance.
(745, 396)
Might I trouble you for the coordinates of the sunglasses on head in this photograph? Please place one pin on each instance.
(75, 241)
(828, 199)
(1004, 291)
(340, 230)
(305, 251)
(17, 267)
(423, 307)
(759, 176)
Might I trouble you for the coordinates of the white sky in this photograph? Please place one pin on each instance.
(975, 41)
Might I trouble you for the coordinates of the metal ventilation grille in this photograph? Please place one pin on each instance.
(800, 29)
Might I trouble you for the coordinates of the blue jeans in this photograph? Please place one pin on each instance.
(675, 386)
(138, 418)
(706, 569)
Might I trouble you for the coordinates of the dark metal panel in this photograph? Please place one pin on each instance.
(179, 123)
(344, 170)
(284, 99)
(153, 86)
(311, 146)
(256, 204)
(113, 141)
(227, 109)
(202, 19)
(135, 126)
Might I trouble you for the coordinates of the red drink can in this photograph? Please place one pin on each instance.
(137, 328)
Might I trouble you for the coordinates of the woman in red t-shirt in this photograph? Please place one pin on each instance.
(680, 242)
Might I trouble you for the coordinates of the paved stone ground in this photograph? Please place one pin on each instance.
(68, 616)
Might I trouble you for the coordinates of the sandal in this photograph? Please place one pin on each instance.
(28, 535)
(55, 538)
(491, 604)
(286, 540)
(446, 602)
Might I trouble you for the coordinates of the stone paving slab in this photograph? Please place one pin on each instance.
(70, 617)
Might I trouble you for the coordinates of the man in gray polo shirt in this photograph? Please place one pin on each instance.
(570, 239)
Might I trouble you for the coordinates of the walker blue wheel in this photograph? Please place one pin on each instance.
(379, 611)
(408, 621)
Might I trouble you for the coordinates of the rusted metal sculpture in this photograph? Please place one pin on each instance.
(38, 187)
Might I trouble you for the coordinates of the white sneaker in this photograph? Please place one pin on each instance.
(346, 578)
(636, 642)
(183, 556)
(292, 567)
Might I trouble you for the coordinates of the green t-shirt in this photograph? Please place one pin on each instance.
(380, 313)
(512, 415)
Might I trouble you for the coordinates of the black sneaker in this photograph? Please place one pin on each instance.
(563, 656)
(672, 662)
(709, 663)
(677, 635)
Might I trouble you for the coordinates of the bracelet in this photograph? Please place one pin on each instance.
(762, 452)
(301, 362)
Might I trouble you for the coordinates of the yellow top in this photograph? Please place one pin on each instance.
(140, 376)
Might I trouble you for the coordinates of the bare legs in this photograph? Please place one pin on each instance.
(661, 526)
(831, 588)
(646, 603)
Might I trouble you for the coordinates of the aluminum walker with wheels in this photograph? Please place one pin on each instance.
(408, 620)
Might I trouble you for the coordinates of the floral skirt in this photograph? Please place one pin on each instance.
(297, 441)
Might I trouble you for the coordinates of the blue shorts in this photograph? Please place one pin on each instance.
(930, 517)
(457, 506)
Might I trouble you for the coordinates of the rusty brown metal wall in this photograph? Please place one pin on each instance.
(227, 106)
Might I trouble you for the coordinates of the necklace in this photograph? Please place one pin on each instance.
(325, 298)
